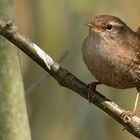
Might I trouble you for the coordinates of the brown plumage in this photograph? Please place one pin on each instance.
(111, 52)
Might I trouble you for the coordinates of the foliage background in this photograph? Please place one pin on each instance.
(58, 26)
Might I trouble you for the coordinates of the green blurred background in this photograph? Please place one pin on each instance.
(58, 26)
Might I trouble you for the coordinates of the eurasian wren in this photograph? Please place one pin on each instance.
(111, 52)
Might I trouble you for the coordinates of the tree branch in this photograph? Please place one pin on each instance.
(42, 78)
(66, 79)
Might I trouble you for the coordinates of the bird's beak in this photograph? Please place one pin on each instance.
(93, 26)
(89, 25)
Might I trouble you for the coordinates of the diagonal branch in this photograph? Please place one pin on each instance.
(43, 77)
(66, 79)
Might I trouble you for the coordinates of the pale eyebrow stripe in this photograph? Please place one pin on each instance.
(115, 23)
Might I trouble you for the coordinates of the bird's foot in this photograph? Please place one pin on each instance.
(127, 115)
(91, 87)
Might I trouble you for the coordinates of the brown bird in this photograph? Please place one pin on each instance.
(111, 52)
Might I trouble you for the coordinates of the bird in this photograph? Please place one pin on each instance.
(111, 52)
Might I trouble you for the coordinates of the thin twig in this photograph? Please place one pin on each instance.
(66, 79)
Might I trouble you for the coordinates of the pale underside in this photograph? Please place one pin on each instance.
(110, 64)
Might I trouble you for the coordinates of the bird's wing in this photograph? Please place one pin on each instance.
(136, 61)
(138, 31)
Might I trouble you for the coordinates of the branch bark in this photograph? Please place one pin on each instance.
(67, 79)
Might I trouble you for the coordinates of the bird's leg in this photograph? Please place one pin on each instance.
(131, 113)
(91, 87)
(136, 101)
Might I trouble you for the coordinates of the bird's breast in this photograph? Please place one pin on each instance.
(108, 63)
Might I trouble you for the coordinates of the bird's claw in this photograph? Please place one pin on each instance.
(91, 87)
(127, 116)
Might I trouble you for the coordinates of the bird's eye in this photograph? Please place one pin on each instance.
(108, 26)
